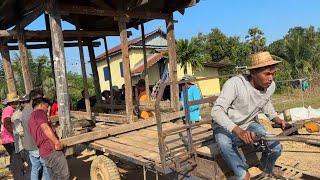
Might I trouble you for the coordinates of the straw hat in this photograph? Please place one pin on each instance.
(261, 59)
(188, 77)
(12, 97)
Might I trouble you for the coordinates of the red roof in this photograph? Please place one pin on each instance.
(151, 61)
(131, 42)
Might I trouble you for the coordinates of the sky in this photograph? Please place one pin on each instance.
(232, 17)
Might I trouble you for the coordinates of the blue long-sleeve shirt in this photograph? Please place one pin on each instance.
(193, 94)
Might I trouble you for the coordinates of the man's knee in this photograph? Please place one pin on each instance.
(277, 148)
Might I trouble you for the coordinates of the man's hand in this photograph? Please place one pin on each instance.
(281, 122)
(247, 137)
(58, 146)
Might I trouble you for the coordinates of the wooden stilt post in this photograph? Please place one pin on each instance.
(28, 85)
(49, 43)
(126, 67)
(59, 68)
(109, 69)
(145, 61)
(174, 90)
(84, 77)
(7, 68)
(94, 72)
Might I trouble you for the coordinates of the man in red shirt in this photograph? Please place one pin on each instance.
(49, 145)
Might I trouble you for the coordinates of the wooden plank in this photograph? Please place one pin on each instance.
(138, 152)
(8, 69)
(126, 67)
(28, 85)
(135, 143)
(99, 116)
(174, 90)
(141, 137)
(60, 68)
(118, 129)
(45, 46)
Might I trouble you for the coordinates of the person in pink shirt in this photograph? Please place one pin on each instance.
(6, 127)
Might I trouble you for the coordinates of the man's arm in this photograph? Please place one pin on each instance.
(8, 124)
(270, 112)
(49, 133)
(220, 109)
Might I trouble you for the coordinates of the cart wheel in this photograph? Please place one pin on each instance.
(103, 168)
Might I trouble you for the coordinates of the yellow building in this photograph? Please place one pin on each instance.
(155, 43)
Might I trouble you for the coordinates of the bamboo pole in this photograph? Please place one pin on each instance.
(126, 67)
(59, 68)
(174, 90)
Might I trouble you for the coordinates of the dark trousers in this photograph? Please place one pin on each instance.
(19, 163)
(57, 166)
(10, 149)
(21, 166)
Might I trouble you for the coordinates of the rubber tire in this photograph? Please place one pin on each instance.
(103, 168)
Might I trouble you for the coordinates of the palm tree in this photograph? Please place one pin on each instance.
(190, 53)
(256, 39)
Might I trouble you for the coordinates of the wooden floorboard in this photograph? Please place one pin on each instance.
(129, 150)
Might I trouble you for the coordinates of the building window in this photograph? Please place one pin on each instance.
(106, 73)
(121, 69)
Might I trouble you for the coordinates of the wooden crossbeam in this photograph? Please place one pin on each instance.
(91, 136)
(41, 34)
(34, 14)
(66, 9)
(44, 46)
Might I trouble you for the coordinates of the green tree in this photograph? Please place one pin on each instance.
(300, 48)
(191, 53)
(256, 39)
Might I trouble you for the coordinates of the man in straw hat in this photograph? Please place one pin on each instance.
(235, 113)
(193, 94)
(6, 127)
(21, 161)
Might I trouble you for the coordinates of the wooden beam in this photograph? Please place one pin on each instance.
(88, 10)
(126, 67)
(91, 136)
(103, 4)
(145, 62)
(109, 69)
(8, 69)
(84, 77)
(28, 85)
(33, 15)
(43, 34)
(94, 69)
(49, 43)
(44, 46)
(174, 90)
(59, 68)
(99, 116)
